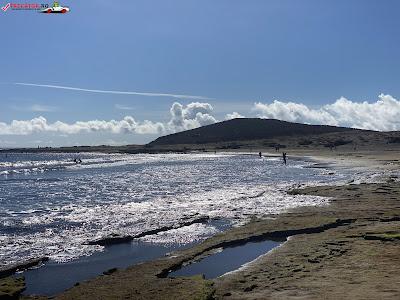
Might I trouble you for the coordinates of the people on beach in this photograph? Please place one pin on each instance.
(260, 154)
(284, 157)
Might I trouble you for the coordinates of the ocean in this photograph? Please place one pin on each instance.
(51, 206)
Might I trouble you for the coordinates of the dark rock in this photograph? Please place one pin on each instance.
(110, 271)
(116, 239)
(250, 288)
(11, 269)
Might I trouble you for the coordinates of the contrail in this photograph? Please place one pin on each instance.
(113, 92)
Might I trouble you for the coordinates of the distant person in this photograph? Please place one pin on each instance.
(260, 154)
(284, 158)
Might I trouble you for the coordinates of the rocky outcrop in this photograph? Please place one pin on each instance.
(117, 239)
(20, 266)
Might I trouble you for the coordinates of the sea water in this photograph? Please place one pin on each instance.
(51, 206)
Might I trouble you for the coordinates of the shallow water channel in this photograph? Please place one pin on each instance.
(227, 260)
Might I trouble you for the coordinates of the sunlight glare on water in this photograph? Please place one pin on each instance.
(51, 206)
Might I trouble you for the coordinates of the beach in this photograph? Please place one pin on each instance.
(208, 150)
(67, 222)
(352, 252)
(349, 248)
(55, 208)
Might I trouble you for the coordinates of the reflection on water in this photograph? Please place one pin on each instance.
(50, 206)
(226, 260)
(53, 278)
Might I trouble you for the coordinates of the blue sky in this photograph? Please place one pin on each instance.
(237, 53)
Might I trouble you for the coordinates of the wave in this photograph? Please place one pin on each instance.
(129, 195)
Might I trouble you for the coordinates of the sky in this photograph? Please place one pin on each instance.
(125, 72)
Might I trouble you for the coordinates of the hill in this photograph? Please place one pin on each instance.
(245, 129)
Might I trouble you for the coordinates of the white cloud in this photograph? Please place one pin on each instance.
(293, 112)
(40, 124)
(182, 117)
(383, 115)
(35, 108)
(147, 94)
(123, 107)
(194, 108)
(194, 115)
(42, 108)
(234, 115)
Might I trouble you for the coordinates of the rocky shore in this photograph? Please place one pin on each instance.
(349, 249)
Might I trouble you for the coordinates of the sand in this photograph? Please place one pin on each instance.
(349, 249)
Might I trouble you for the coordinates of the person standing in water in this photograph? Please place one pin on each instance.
(284, 157)
(260, 154)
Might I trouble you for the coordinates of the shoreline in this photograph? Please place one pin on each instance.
(114, 239)
(308, 221)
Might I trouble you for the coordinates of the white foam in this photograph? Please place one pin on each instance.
(130, 194)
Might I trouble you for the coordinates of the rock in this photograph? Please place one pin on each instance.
(11, 269)
(110, 271)
(117, 239)
(11, 288)
(250, 288)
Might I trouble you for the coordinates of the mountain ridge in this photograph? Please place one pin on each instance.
(241, 129)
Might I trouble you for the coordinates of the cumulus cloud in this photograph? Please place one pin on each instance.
(40, 124)
(194, 108)
(234, 115)
(194, 115)
(383, 115)
(182, 117)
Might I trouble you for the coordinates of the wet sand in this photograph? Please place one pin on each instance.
(349, 249)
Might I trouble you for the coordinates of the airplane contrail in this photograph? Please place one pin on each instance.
(113, 92)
